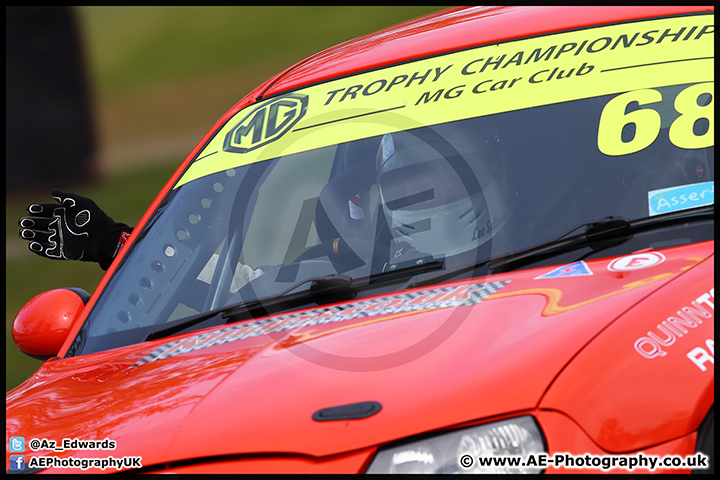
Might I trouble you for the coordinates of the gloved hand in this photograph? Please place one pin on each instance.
(76, 229)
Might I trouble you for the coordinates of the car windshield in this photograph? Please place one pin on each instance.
(462, 157)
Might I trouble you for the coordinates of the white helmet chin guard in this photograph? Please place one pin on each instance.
(440, 188)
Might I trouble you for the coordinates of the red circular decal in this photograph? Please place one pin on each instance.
(636, 262)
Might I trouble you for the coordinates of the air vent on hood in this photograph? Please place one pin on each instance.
(347, 412)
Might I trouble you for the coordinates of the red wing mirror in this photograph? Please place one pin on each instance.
(42, 325)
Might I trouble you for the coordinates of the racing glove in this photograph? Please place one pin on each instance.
(74, 229)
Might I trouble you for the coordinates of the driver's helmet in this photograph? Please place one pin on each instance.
(443, 189)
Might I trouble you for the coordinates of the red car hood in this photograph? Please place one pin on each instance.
(431, 366)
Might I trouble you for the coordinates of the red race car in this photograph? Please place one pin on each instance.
(479, 241)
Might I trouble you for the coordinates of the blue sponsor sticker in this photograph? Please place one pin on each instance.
(683, 197)
(577, 269)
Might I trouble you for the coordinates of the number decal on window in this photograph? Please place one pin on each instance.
(686, 104)
(614, 120)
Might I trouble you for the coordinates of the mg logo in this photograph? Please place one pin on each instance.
(266, 123)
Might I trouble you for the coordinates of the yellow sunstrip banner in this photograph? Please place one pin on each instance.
(471, 83)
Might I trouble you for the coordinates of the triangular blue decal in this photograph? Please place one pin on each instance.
(577, 269)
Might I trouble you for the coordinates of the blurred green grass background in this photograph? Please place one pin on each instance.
(160, 78)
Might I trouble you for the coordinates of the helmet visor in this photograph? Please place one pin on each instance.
(421, 186)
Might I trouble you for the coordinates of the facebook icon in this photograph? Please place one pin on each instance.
(17, 462)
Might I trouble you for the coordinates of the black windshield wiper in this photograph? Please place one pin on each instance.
(325, 289)
(595, 231)
(599, 235)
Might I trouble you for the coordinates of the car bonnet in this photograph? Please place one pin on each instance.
(431, 358)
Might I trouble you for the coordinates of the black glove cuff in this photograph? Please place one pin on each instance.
(110, 240)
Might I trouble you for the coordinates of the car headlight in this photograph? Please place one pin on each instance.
(465, 450)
